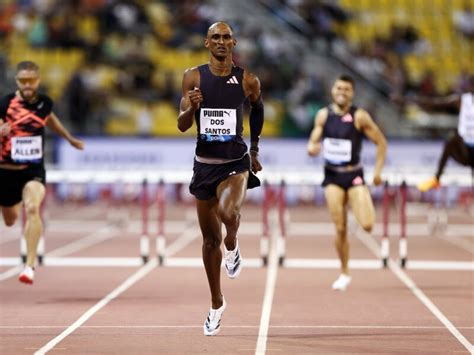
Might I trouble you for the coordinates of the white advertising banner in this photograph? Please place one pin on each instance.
(163, 153)
(282, 159)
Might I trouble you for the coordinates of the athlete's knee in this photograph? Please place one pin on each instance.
(341, 230)
(10, 216)
(10, 221)
(32, 209)
(367, 226)
(230, 216)
(212, 242)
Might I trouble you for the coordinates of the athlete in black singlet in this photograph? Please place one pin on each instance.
(341, 127)
(213, 95)
(23, 116)
(460, 145)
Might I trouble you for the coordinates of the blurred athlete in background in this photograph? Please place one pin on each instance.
(341, 127)
(23, 116)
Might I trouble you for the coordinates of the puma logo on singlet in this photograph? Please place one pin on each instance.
(215, 113)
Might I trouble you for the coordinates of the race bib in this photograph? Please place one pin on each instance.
(337, 151)
(466, 118)
(27, 149)
(218, 124)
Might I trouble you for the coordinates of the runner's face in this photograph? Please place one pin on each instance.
(28, 82)
(342, 93)
(220, 41)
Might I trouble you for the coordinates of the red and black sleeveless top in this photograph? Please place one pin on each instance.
(25, 143)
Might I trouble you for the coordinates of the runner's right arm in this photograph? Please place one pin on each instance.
(190, 100)
(314, 142)
(4, 126)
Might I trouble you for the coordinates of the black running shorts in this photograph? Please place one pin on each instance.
(12, 183)
(346, 180)
(207, 177)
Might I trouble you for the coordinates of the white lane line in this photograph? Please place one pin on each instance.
(197, 262)
(11, 272)
(137, 276)
(187, 236)
(440, 265)
(306, 263)
(270, 284)
(296, 229)
(10, 238)
(414, 230)
(430, 305)
(402, 276)
(290, 263)
(81, 261)
(151, 326)
(86, 242)
(458, 242)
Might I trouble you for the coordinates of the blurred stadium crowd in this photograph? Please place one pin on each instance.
(114, 67)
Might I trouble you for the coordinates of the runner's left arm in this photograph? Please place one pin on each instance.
(56, 126)
(256, 117)
(372, 131)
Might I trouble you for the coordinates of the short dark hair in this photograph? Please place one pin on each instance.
(27, 65)
(347, 78)
(221, 23)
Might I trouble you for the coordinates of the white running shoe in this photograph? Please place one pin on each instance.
(212, 325)
(233, 261)
(342, 282)
(27, 275)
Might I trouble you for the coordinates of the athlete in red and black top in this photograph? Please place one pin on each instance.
(212, 96)
(25, 141)
(340, 127)
(23, 116)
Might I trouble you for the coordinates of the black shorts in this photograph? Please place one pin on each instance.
(207, 177)
(12, 183)
(346, 180)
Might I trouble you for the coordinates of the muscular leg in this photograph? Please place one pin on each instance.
(10, 214)
(362, 206)
(336, 201)
(456, 149)
(231, 194)
(210, 225)
(33, 195)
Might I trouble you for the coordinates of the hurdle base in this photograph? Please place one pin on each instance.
(403, 263)
(385, 263)
(281, 260)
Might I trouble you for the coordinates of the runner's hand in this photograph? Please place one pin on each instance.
(5, 128)
(195, 97)
(256, 166)
(314, 149)
(76, 143)
(377, 180)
